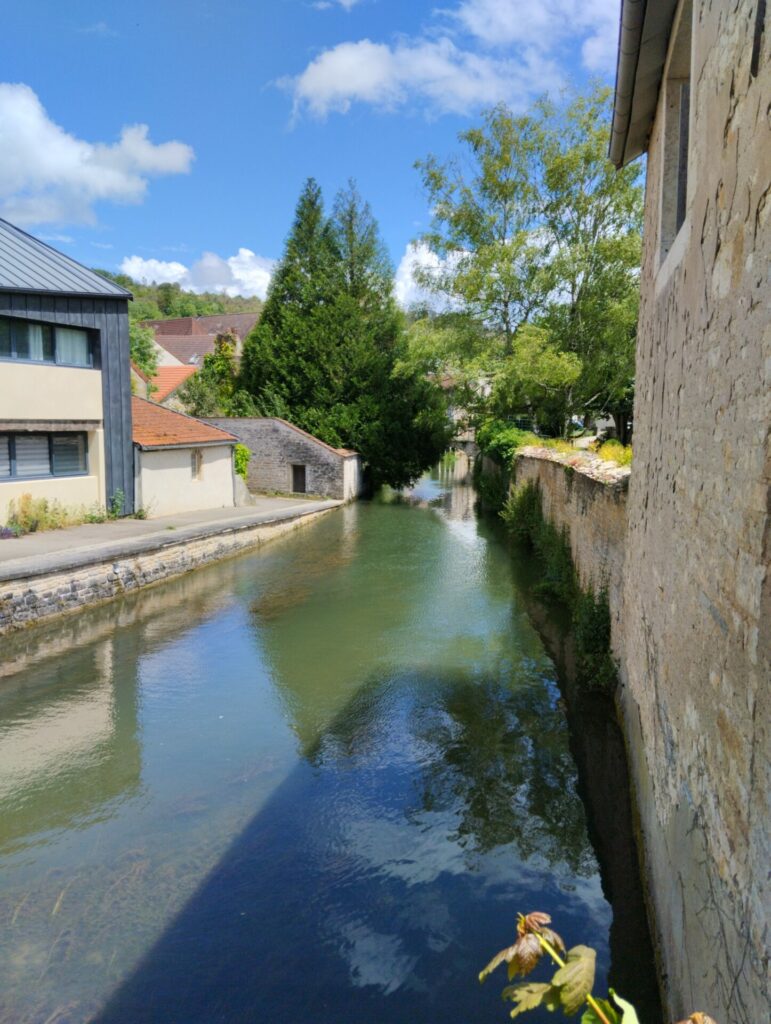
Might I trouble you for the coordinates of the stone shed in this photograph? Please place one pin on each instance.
(286, 458)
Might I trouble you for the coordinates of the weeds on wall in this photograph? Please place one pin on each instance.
(241, 456)
(614, 451)
(590, 612)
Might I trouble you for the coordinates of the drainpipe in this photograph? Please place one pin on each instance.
(629, 39)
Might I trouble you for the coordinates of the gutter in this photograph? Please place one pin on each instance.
(629, 44)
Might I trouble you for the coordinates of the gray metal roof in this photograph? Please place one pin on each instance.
(642, 52)
(29, 265)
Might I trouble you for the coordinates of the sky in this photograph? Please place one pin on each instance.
(170, 139)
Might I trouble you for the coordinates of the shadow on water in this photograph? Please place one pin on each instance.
(327, 908)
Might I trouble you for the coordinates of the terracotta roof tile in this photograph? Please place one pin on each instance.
(156, 427)
(169, 378)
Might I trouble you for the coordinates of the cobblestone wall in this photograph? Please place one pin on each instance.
(277, 445)
(37, 598)
(697, 609)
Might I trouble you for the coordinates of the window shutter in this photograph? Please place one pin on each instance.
(32, 456)
(5, 456)
(69, 452)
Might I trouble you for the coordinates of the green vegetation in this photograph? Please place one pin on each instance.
(215, 390)
(144, 354)
(614, 451)
(329, 351)
(571, 985)
(33, 515)
(537, 239)
(590, 612)
(241, 456)
(165, 301)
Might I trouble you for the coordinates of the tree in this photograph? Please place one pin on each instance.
(214, 390)
(142, 348)
(544, 232)
(330, 346)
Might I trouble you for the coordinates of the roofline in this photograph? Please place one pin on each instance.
(642, 48)
(68, 294)
(186, 444)
(344, 453)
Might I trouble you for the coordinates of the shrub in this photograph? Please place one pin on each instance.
(241, 457)
(28, 514)
(614, 451)
(500, 440)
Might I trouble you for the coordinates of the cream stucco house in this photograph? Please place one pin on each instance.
(65, 413)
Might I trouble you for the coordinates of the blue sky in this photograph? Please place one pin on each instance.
(171, 138)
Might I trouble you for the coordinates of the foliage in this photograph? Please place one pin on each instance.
(572, 983)
(330, 353)
(590, 612)
(241, 457)
(163, 301)
(501, 441)
(144, 354)
(115, 505)
(32, 515)
(539, 245)
(614, 451)
(214, 390)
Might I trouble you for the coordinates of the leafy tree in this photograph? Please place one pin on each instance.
(543, 231)
(214, 390)
(329, 349)
(142, 348)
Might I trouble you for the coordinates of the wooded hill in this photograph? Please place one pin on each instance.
(164, 301)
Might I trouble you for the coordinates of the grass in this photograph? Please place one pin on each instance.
(33, 515)
(614, 451)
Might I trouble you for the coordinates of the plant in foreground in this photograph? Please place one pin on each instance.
(571, 985)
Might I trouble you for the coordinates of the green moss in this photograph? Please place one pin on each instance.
(590, 612)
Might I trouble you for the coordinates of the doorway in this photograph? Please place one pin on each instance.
(298, 479)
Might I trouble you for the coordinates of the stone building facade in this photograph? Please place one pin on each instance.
(693, 89)
(285, 458)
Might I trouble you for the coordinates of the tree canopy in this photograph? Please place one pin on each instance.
(538, 239)
(328, 350)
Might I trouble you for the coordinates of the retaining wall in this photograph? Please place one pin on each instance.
(38, 598)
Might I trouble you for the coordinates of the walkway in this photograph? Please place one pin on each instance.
(54, 550)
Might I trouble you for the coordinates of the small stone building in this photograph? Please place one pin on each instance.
(181, 464)
(285, 458)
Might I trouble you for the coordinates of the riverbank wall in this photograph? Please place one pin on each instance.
(40, 596)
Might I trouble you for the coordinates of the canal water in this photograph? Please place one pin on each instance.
(315, 783)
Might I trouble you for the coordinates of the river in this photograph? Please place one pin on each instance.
(314, 783)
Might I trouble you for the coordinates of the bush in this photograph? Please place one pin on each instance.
(614, 451)
(500, 440)
(28, 515)
(241, 457)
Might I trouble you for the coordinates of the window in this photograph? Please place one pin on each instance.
(196, 463)
(44, 343)
(677, 103)
(26, 456)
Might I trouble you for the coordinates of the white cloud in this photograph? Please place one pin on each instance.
(50, 176)
(56, 238)
(326, 5)
(407, 291)
(246, 273)
(100, 28)
(478, 52)
(446, 78)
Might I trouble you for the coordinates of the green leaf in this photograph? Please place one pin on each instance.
(526, 996)
(590, 1016)
(576, 978)
(629, 1014)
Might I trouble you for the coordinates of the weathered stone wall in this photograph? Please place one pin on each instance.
(696, 606)
(591, 510)
(37, 598)
(276, 445)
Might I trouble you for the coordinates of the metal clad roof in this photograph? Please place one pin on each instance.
(29, 265)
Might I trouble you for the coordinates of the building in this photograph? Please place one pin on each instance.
(288, 459)
(693, 90)
(186, 340)
(167, 382)
(65, 392)
(181, 464)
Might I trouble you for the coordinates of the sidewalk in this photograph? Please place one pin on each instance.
(36, 554)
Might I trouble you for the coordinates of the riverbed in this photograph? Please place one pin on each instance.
(313, 783)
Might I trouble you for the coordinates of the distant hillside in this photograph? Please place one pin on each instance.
(165, 301)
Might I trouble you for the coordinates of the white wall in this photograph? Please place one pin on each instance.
(40, 391)
(352, 479)
(165, 483)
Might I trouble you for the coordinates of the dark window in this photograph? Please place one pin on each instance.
(298, 479)
(44, 343)
(25, 456)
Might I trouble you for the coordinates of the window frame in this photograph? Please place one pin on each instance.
(94, 348)
(49, 435)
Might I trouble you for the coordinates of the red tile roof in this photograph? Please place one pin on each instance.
(168, 379)
(241, 323)
(188, 349)
(156, 427)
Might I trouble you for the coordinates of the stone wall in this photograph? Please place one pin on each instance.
(276, 445)
(696, 604)
(37, 598)
(586, 498)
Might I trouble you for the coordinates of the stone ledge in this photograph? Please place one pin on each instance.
(609, 473)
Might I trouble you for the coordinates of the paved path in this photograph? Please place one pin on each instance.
(57, 550)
